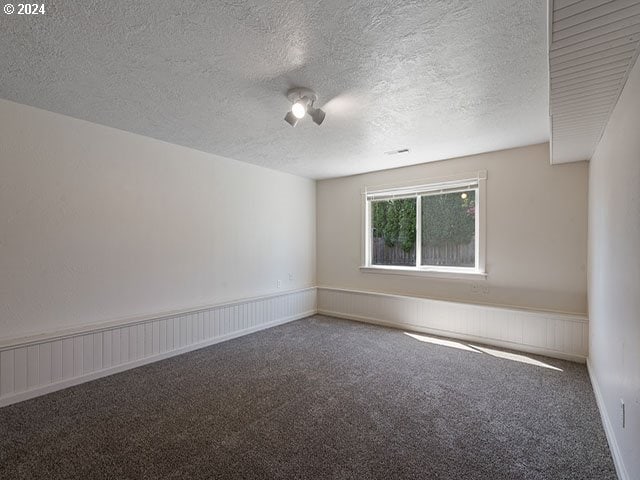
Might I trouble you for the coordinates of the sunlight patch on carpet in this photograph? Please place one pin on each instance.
(515, 357)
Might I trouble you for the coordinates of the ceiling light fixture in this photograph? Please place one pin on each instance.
(303, 100)
(317, 115)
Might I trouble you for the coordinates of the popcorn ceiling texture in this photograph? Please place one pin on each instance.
(442, 78)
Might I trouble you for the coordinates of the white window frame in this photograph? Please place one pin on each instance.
(474, 181)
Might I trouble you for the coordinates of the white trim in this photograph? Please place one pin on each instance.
(418, 232)
(608, 427)
(423, 190)
(464, 181)
(365, 244)
(44, 365)
(426, 184)
(53, 387)
(481, 222)
(13, 342)
(457, 336)
(550, 9)
(449, 273)
(553, 334)
(568, 316)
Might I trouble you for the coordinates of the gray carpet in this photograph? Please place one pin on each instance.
(316, 398)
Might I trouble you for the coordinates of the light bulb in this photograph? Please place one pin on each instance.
(299, 109)
(464, 196)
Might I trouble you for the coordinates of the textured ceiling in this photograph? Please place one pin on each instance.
(442, 78)
(593, 47)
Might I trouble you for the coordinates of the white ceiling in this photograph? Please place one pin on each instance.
(443, 78)
(593, 47)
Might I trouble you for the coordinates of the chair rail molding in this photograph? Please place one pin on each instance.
(41, 364)
(557, 335)
(34, 366)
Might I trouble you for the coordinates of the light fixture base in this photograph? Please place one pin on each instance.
(297, 93)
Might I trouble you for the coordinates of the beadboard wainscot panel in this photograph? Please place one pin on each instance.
(38, 365)
(556, 335)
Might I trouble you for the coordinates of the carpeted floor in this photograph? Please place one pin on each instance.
(316, 398)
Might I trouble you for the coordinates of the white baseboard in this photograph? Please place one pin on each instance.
(34, 367)
(31, 369)
(544, 333)
(608, 427)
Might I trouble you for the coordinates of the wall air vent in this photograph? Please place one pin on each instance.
(396, 152)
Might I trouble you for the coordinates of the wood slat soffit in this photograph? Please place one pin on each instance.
(593, 45)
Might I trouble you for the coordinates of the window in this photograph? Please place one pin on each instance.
(434, 227)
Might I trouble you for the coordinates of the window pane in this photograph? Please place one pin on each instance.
(393, 238)
(448, 229)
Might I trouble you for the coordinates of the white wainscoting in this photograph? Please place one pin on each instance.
(34, 367)
(552, 334)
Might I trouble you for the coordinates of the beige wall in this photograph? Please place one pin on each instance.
(97, 224)
(614, 273)
(536, 232)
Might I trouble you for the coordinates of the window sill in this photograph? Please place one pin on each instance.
(450, 273)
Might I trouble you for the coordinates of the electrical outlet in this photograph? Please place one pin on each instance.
(279, 283)
(485, 289)
(622, 412)
(475, 288)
